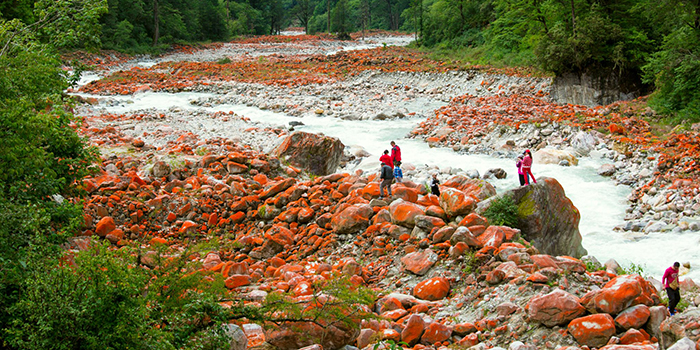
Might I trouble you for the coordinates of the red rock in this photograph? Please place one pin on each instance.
(237, 168)
(537, 278)
(352, 219)
(365, 337)
(633, 317)
(474, 219)
(158, 240)
(188, 226)
(478, 188)
(619, 294)
(436, 332)
(593, 330)
(632, 336)
(405, 193)
(302, 288)
(404, 213)
(211, 260)
(388, 304)
(462, 329)
(616, 129)
(456, 202)
(630, 347)
(115, 236)
(105, 226)
(413, 331)
(390, 334)
(543, 261)
(436, 211)
(432, 289)
(419, 262)
(394, 315)
(494, 236)
(237, 281)
(510, 271)
(469, 340)
(556, 308)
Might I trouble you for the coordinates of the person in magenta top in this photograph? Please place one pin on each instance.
(395, 153)
(518, 164)
(386, 159)
(526, 167)
(671, 283)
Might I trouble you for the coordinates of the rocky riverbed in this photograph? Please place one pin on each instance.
(446, 276)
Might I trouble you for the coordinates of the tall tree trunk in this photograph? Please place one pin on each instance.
(329, 16)
(573, 17)
(156, 27)
(391, 15)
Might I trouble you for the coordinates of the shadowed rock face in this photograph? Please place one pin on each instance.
(319, 155)
(547, 218)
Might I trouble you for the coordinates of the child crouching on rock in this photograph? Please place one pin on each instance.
(435, 186)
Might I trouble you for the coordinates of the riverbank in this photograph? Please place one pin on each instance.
(196, 170)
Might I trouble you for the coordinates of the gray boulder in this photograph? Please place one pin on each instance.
(317, 154)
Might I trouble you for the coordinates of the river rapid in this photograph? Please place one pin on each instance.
(602, 203)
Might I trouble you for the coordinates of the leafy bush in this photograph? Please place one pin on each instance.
(502, 211)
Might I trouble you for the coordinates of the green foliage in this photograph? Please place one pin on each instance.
(502, 211)
(107, 301)
(633, 269)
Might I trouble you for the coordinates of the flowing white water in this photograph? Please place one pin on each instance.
(602, 204)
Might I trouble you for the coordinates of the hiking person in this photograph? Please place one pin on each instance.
(526, 166)
(386, 176)
(518, 164)
(671, 283)
(395, 153)
(386, 159)
(398, 173)
(435, 185)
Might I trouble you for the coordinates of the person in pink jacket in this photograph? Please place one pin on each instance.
(527, 167)
(671, 283)
(519, 164)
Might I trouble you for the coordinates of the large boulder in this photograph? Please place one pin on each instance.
(478, 188)
(287, 335)
(593, 330)
(557, 308)
(546, 217)
(554, 156)
(317, 154)
(353, 219)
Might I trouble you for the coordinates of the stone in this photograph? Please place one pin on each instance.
(317, 154)
(413, 331)
(633, 317)
(419, 262)
(632, 336)
(477, 188)
(160, 169)
(105, 226)
(683, 344)
(238, 341)
(495, 172)
(432, 289)
(286, 336)
(555, 309)
(404, 213)
(365, 337)
(583, 143)
(553, 156)
(436, 332)
(622, 292)
(657, 315)
(456, 202)
(546, 217)
(352, 219)
(606, 170)
(593, 330)
(518, 345)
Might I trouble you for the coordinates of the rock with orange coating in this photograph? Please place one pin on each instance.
(593, 330)
(212, 259)
(432, 289)
(237, 281)
(456, 202)
(413, 331)
(318, 154)
(632, 336)
(620, 293)
(478, 188)
(406, 193)
(633, 317)
(105, 226)
(554, 309)
(404, 213)
(352, 219)
(419, 262)
(436, 332)
(286, 336)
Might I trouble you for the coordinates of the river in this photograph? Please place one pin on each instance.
(602, 204)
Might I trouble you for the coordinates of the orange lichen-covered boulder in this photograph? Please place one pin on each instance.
(478, 188)
(406, 193)
(456, 202)
(419, 262)
(432, 289)
(620, 293)
(318, 154)
(554, 309)
(436, 332)
(404, 213)
(105, 226)
(352, 219)
(414, 330)
(593, 330)
(633, 317)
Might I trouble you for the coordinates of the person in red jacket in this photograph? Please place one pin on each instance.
(395, 153)
(386, 159)
(526, 166)
(670, 281)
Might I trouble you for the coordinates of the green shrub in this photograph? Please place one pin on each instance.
(502, 211)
